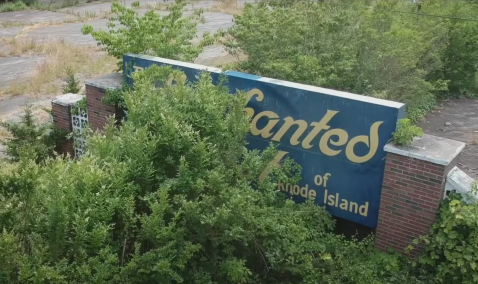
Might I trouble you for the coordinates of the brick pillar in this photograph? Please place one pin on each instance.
(413, 187)
(61, 114)
(96, 89)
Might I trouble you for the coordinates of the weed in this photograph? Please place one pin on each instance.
(406, 132)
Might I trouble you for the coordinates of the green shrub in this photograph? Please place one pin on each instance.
(152, 34)
(52, 6)
(13, 6)
(116, 97)
(460, 66)
(30, 140)
(371, 47)
(451, 249)
(172, 197)
(72, 84)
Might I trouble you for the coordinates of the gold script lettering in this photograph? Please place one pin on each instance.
(373, 145)
(266, 131)
(260, 96)
(288, 122)
(324, 141)
(318, 126)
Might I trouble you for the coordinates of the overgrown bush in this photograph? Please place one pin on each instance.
(13, 6)
(385, 49)
(451, 250)
(29, 139)
(34, 4)
(172, 197)
(152, 34)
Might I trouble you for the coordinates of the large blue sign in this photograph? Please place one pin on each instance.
(336, 137)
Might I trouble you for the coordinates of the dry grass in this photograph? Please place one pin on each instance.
(156, 5)
(59, 55)
(161, 5)
(474, 140)
(4, 134)
(18, 47)
(87, 16)
(13, 24)
(230, 7)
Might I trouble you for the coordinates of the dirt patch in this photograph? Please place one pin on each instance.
(458, 120)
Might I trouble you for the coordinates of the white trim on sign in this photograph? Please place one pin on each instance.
(298, 86)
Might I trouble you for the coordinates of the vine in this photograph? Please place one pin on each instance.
(116, 96)
(79, 106)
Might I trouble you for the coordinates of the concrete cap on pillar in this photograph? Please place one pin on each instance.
(433, 149)
(111, 81)
(67, 99)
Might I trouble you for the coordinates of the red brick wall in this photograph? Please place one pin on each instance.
(62, 119)
(411, 194)
(98, 112)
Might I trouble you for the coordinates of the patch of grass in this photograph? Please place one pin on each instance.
(87, 16)
(54, 6)
(13, 6)
(14, 24)
(156, 5)
(230, 7)
(60, 56)
(20, 5)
